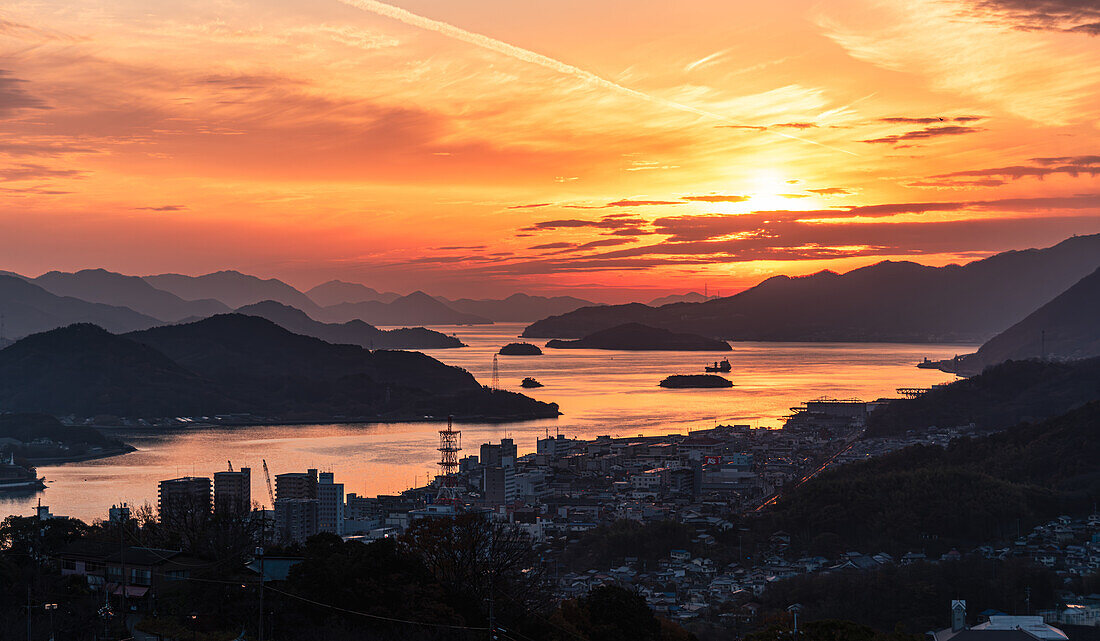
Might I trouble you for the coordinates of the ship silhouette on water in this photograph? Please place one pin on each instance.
(723, 366)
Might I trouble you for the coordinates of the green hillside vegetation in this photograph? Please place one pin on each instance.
(975, 491)
(999, 397)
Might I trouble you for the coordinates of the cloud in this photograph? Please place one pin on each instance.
(164, 208)
(927, 132)
(1042, 167)
(13, 97)
(531, 206)
(45, 149)
(949, 49)
(38, 191)
(641, 203)
(614, 222)
(33, 171)
(716, 198)
(606, 242)
(929, 120)
(831, 191)
(526, 55)
(956, 184)
(1073, 16)
(796, 125)
(570, 248)
(626, 203)
(746, 127)
(706, 61)
(794, 195)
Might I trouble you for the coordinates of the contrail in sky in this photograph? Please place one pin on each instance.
(525, 55)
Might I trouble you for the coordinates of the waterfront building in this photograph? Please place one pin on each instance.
(296, 485)
(330, 496)
(184, 499)
(296, 519)
(233, 492)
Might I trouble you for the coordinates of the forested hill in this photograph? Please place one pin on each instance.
(973, 492)
(1066, 327)
(1001, 396)
(233, 363)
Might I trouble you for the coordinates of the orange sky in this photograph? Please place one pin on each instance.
(611, 149)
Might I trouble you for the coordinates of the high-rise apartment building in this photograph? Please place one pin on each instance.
(184, 499)
(233, 492)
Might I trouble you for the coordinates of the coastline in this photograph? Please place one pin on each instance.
(321, 421)
(90, 456)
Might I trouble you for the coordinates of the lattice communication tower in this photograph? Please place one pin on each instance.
(450, 444)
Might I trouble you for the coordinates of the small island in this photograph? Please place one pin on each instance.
(638, 337)
(530, 383)
(695, 381)
(520, 349)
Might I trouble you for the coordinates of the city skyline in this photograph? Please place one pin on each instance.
(611, 151)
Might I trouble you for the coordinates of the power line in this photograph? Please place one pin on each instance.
(375, 616)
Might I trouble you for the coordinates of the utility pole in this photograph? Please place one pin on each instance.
(30, 635)
(50, 607)
(260, 630)
(492, 571)
(122, 566)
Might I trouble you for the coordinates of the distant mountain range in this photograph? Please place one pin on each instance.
(889, 301)
(232, 288)
(28, 308)
(353, 332)
(335, 292)
(232, 363)
(517, 307)
(690, 297)
(417, 308)
(1066, 327)
(102, 286)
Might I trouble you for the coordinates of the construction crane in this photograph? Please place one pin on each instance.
(267, 477)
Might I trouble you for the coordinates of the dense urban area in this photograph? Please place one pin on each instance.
(718, 533)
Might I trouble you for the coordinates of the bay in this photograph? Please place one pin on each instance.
(599, 392)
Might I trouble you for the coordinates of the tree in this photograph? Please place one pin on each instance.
(476, 559)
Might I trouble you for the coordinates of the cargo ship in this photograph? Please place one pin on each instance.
(723, 366)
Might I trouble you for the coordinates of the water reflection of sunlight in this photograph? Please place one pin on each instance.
(599, 392)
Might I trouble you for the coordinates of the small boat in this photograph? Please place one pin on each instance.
(530, 382)
(723, 366)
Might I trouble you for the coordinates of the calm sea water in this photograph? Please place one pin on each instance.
(600, 392)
